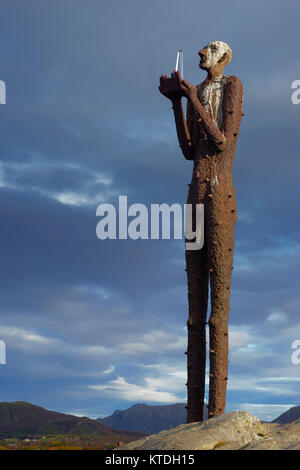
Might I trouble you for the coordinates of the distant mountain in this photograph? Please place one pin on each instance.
(21, 419)
(289, 416)
(146, 418)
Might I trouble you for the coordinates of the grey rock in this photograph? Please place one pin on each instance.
(238, 427)
(283, 437)
(232, 431)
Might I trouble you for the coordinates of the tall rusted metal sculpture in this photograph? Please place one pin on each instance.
(208, 136)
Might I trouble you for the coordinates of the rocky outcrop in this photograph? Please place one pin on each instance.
(280, 437)
(232, 431)
(239, 427)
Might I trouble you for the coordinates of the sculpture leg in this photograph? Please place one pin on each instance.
(220, 248)
(197, 274)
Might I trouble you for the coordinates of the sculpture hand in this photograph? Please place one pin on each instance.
(188, 90)
(170, 87)
(174, 87)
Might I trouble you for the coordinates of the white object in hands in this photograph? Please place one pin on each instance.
(179, 62)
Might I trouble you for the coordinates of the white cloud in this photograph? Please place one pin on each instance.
(247, 344)
(250, 383)
(2, 176)
(155, 341)
(30, 342)
(109, 370)
(263, 411)
(80, 413)
(25, 335)
(277, 317)
(77, 199)
(269, 257)
(239, 336)
(280, 379)
(95, 350)
(178, 370)
(103, 179)
(119, 388)
(169, 377)
(88, 195)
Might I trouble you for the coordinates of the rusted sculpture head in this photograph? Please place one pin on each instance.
(215, 56)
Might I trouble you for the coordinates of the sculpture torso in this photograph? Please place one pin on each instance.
(209, 167)
(211, 95)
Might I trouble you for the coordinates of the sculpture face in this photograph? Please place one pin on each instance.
(212, 53)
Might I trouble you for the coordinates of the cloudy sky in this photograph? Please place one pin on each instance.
(92, 326)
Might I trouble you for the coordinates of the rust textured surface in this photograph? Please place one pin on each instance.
(208, 137)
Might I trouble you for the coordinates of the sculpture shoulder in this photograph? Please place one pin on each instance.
(234, 84)
(231, 83)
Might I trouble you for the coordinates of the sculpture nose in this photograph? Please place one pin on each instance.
(202, 53)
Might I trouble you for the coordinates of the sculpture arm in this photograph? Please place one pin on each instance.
(211, 129)
(183, 133)
(232, 108)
